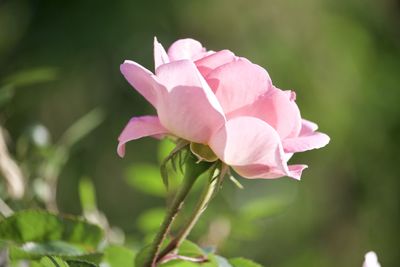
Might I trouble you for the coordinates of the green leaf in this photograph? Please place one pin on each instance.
(53, 262)
(77, 263)
(222, 262)
(118, 256)
(41, 227)
(150, 220)
(190, 249)
(32, 76)
(242, 262)
(82, 127)
(87, 194)
(142, 256)
(146, 178)
(164, 149)
(35, 251)
(6, 94)
(264, 207)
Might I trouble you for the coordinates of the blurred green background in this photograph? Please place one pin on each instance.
(59, 60)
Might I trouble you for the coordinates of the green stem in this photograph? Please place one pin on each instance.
(192, 172)
(200, 207)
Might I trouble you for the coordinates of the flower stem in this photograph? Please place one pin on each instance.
(200, 207)
(192, 172)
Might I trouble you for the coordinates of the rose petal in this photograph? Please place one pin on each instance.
(238, 84)
(211, 62)
(246, 143)
(278, 109)
(188, 108)
(266, 172)
(185, 49)
(145, 82)
(139, 127)
(160, 56)
(305, 142)
(308, 127)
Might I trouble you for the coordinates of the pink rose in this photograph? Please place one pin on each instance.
(225, 102)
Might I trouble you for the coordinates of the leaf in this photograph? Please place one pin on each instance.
(35, 251)
(164, 149)
(32, 76)
(264, 207)
(41, 227)
(146, 178)
(242, 262)
(142, 256)
(82, 127)
(222, 262)
(190, 249)
(31, 250)
(77, 263)
(118, 256)
(53, 262)
(6, 94)
(150, 220)
(87, 194)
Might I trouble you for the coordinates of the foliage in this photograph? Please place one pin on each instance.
(342, 57)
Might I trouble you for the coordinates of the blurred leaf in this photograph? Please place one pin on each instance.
(87, 194)
(264, 207)
(41, 226)
(190, 249)
(72, 135)
(82, 127)
(242, 262)
(164, 149)
(142, 256)
(35, 251)
(77, 263)
(53, 262)
(118, 256)
(222, 262)
(32, 76)
(6, 94)
(32, 250)
(146, 178)
(150, 220)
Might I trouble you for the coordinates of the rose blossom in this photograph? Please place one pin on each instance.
(225, 102)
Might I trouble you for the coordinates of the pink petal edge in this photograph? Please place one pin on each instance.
(139, 127)
(160, 56)
(143, 80)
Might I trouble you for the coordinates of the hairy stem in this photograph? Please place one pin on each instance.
(200, 207)
(192, 172)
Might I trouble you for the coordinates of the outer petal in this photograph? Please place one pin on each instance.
(213, 61)
(308, 127)
(160, 56)
(251, 147)
(278, 108)
(189, 109)
(238, 84)
(185, 49)
(307, 140)
(142, 80)
(139, 127)
(263, 171)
